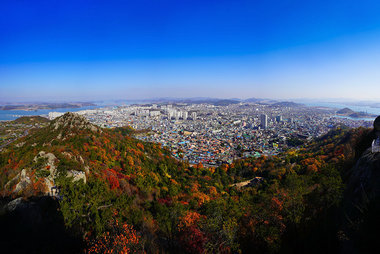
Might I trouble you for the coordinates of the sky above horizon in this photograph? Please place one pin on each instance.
(102, 50)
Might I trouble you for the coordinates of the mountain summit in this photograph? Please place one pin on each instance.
(73, 120)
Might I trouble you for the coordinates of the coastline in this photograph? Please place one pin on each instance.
(10, 115)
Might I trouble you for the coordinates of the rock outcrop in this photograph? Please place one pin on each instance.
(35, 225)
(361, 206)
(73, 120)
(21, 180)
(365, 178)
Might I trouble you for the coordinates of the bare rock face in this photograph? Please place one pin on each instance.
(21, 180)
(376, 126)
(361, 206)
(14, 204)
(51, 159)
(365, 177)
(77, 175)
(73, 120)
(24, 181)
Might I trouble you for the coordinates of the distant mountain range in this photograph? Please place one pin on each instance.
(219, 101)
(37, 106)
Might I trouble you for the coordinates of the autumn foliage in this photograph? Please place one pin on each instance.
(121, 238)
(169, 206)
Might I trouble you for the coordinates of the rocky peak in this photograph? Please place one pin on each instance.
(365, 175)
(73, 120)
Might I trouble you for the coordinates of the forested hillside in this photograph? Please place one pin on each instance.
(117, 193)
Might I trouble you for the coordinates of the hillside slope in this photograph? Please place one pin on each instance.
(110, 186)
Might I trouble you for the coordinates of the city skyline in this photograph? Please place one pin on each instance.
(91, 50)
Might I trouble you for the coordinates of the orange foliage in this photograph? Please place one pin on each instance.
(207, 178)
(112, 178)
(312, 168)
(195, 187)
(224, 167)
(191, 236)
(212, 191)
(122, 239)
(189, 219)
(201, 197)
(141, 146)
(173, 181)
(130, 161)
(276, 204)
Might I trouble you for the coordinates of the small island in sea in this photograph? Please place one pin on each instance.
(350, 113)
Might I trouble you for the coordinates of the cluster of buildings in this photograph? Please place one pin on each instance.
(168, 111)
(212, 135)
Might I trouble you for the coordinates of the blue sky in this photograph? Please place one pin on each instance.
(93, 50)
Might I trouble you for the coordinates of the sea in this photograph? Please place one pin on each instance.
(337, 106)
(8, 115)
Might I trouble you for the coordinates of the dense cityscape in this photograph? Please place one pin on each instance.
(214, 135)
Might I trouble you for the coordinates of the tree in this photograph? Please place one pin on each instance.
(121, 238)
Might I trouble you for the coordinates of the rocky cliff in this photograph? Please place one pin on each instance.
(361, 206)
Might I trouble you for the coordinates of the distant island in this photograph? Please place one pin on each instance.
(288, 104)
(349, 112)
(38, 106)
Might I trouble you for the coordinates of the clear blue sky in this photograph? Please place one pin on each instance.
(91, 50)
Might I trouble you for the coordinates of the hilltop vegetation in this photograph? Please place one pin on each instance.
(11, 130)
(31, 120)
(120, 193)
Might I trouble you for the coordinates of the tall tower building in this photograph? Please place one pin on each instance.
(171, 113)
(194, 115)
(264, 121)
(184, 115)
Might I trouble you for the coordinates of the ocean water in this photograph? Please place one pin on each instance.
(338, 106)
(7, 115)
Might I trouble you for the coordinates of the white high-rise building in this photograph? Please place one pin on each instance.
(171, 113)
(185, 115)
(264, 121)
(194, 115)
(178, 115)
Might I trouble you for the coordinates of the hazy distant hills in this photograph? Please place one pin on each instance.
(37, 106)
(288, 104)
(197, 100)
(222, 102)
(345, 111)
